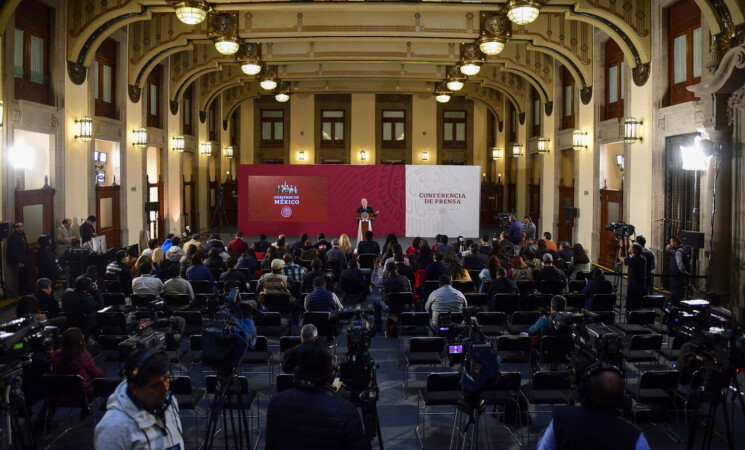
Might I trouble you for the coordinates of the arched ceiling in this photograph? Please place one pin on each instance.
(372, 47)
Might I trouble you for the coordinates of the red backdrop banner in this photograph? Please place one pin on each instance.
(296, 199)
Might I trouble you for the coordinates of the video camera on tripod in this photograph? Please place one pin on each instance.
(621, 229)
(226, 341)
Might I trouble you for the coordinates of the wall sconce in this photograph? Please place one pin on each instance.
(543, 145)
(84, 129)
(178, 144)
(1, 113)
(497, 153)
(517, 150)
(301, 155)
(363, 156)
(631, 128)
(229, 151)
(620, 162)
(206, 148)
(579, 139)
(425, 156)
(139, 138)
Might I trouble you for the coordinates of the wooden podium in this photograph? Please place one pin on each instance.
(364, 223)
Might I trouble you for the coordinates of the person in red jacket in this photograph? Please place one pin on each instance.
(237, 245)
(73, 359)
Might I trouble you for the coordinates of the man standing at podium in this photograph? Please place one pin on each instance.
(366, 209)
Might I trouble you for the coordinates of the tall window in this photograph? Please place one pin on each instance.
(393, 126)
(153, 98)
(332, 128)
(684, 38)
(453, 129)
(104, 79)
(211, 122)
(536, 130)
(567, 99)
(31, 52)
(272, 128)
(614, 80)
(187, 110)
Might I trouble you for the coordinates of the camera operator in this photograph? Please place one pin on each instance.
(515, 232)
(543, 325)
(311, 415)
(44, 295)
(651, 261)
(81, 305)
(446, 299)
(637, 288)
(595, 424)
(679, 268)
(141, 413)
(308, 335)
(529, 228)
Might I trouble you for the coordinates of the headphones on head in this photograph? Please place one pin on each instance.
(589, 372)
(134, 372)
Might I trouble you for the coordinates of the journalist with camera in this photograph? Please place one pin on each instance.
(637, 265)
(81, 305)
(142, 413)
(679, 268)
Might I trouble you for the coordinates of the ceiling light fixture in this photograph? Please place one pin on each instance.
(455, 80)
(442, 93)
(222, 28)
(523, 12)
(496, 29)
(249, 57)
(471, 59)
(282, 92)
(191, 12)
(268, 77)
(227, 45)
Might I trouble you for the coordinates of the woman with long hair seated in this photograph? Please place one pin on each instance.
(73, 359)
(490, 272)
(520, 270)
(346, 245)
(580, 262)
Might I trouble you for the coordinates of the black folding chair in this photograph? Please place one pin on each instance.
(575, 301)
(577, 285)
(521, 321)
(546, 388)
(202, 286)
(188, 397)
(539, 302)
(603, 302)
(464, 285)
(643, 348)
(176, 301)
(284, 381)
(654, 387)
(505, 393)
(637, 322)
(492, 323)
(269, 324)
(422, 351)
(441, 389)
(63, 391)
(513, 349)
(411, 324)
(506, 303)
(113, 298)
(552, 287)
(259, 355)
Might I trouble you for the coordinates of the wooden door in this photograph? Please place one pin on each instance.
(190, 212)
(35, 208)
(491, 203)
(566, 200)
(611, 207)
(108, 220)
(534, 199)
(156, 219)
(230, 200)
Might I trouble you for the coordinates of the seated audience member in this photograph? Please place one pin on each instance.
(414, 247)
(46, 263)
(455, 266)
(45, 297)
(91, 273)
(502, 284)
(81, 304)
(520, 270)
(120, 271)
(301, 243)
(423, 258)
(263, 244)
(437, 268)
(73, 359)
(132, 255)
(232, 274)
(550, 245)
(136, 267)
(269, 257)
(542, 326)
(475, 260)
(152, 244)
(176, 285)
(168, 242)
(530, 244)
(505, 242)
(316, 266)
(335, 253)
(368, 246)
(214, 242)
(566, 252)
(198, 271)
(238, 245)
(549, 271)
(320, 298)
(530, 260)
(295, 272)
(351, 282)
(321, 242)
(308, 335)
(28, 306)
(308, 251)
(597, 285)
(489, 273)
(596, 423)
(274, 283)
(175, 253)
(248, 261)
(485, 247)
(214, 259)
(402, 268)
(147, 284)
(346, 246)
(310, 415)
(580, 262)
(194, 242)
(396, 250)
(445, 299)
(185, 260)
(391, 282)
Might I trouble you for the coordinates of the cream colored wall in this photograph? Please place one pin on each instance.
(172, 209)
(423, 128)
(585, 162)
(638, 161)
(363, 131)
(479, 136)
(610, 173)
(246, 131)
(77, 153)
(302, 128)
(549, 182)
(133, 183)
(113, 161)
(521, 185)
(202, 199)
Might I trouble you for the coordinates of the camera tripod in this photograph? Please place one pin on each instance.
(219, 213)
(466, 422)
(230, 397)
(715, 382)
(361, 379)
(11, 403)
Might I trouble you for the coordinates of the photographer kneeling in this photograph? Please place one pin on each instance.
(141, 413)
(311, 415)
(595, 424)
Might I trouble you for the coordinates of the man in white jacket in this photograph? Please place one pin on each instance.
(141, 413)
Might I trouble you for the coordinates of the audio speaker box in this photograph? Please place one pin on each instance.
(693, 239)
(571, 213)
(152, 206)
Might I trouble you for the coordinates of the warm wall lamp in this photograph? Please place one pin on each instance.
(517, 150)
(631, 128)
(543, 145)
(363, 156)
(579, 139)
(301, 155)
(425, 156)
(206, 148)
(620, 162)
(1, 113)
(229, 151)
(84, 129)
(178, 144)
(139, 138)
(497, 153)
